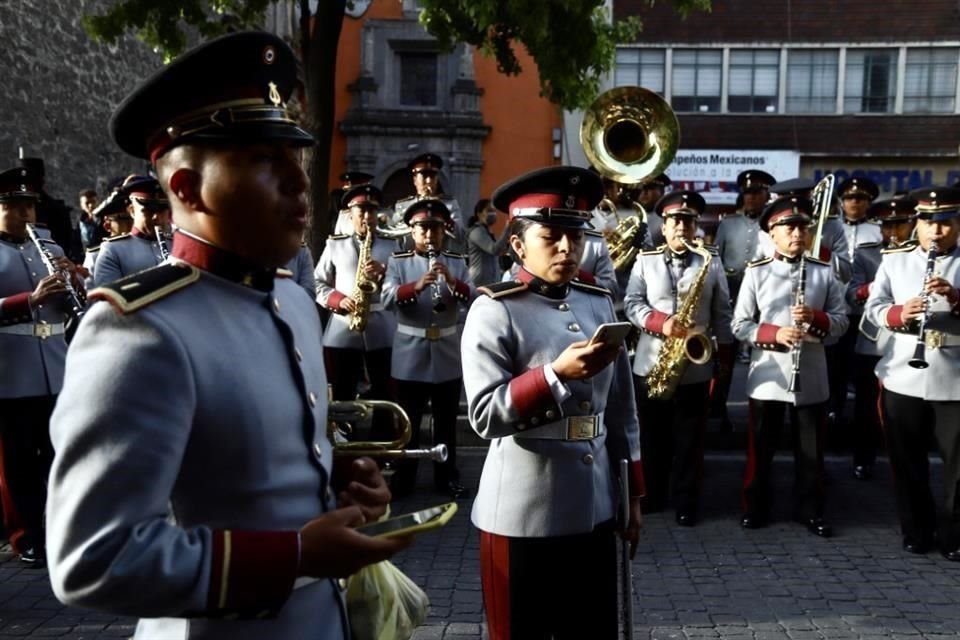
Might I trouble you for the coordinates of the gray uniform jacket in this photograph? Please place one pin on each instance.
(653, 296)
(485, 251)
(336, 274)
(31, 362)
(860, 233)
(596, 261)
(90, 263)
(456, 239)
(899, 278)
(125, 255)
(181, 503)
(871, 338)
(426, 346)
(738, 242)
(536, 483)
(301, 269)
(763, 306)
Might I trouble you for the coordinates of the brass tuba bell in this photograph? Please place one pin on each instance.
(629, 134)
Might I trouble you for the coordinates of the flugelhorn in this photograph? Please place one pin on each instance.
(342, 414)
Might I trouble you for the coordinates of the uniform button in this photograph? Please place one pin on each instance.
(534, 421)
(585, 405)
(342, 583)
(588, 459)
(563, 306)
(312, 398)
(521, 427)
(33, 274)
(29, 259)
(297, 353)
(317, 450)
(551, 414)
(573, 326)
(276, 305)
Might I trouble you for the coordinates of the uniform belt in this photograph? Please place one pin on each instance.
(40, 330)
(376, 306)
(430, 333)
(939, 340)
(572, 428)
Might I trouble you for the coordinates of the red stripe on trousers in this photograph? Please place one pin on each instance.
(495, 579)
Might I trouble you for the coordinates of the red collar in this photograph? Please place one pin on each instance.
(537, 285)
(222, 263)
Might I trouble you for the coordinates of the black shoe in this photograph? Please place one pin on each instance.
(818, 527)
(917, 545)
(863, 471)
(686, 519)
(454, 489)
(952, 556)
(752, 521)
(33, 557)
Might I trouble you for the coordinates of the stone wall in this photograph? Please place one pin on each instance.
(59, 88)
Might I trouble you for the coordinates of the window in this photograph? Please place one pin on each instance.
(754, 80)
(871, 81)
(418, 79)
(640, 67)
(930, 83)
(696, 79)
(812, 81)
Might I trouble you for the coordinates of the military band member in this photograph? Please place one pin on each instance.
(301, 270)
(425, 171)
(920, 404)
(649, 194)
(339, 215)
(896, 226)
(203, 502)
(559, 412)
(425, 287)
(673, 428)
(346, 350)
(127, 254)
(787, 330)
(856, 194)
(32, 352)
(115, 219)
(596, 267)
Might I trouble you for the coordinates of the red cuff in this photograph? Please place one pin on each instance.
(825, 254)
(407, 293)
(862, 293)
(638, 486)
(252, 572)
(16, 309)
(461, 290)
(655, 320)
(530, 394)
(767, 337)
(895, 317)
(587, 277)
(820, 326)
(333, 301)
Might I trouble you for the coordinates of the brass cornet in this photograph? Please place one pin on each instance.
(343, 414)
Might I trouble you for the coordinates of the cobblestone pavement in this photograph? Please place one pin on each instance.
(712, 581)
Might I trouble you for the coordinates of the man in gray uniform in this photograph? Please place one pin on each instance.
(650, 192)
(425, 171)
(896, 225)
(116, 221)
(32, 352)
(673, 427)
(301, 270)
(347, 351)
(127, 254)
(787, 305)
(916, 289)
(425, 287)
(204, 502)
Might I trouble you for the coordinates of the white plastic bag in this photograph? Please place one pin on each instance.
(384, 604)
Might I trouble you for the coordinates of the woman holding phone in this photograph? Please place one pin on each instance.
(560, 413)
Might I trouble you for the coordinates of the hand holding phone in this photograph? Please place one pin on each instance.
(410, 523)
(611, 334)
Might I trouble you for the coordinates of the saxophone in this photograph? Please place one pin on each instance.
(677, 353)
(363, 287)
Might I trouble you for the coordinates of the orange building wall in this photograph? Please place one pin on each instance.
(520, 121)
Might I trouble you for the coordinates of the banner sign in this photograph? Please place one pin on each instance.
(713, 172)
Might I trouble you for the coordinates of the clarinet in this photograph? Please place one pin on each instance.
(76, 300)
(798, 300)
(438, 304)
(161, 243)
(919, 359)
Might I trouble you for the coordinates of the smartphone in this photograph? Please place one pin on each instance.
(409, 523)
(612, 333)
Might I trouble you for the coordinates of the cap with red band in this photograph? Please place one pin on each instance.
(891, 211)
(936, 204)
(558, 196)
(427, 210)
(681, 203)
(362, 194)
(19, 183)
(787, 210)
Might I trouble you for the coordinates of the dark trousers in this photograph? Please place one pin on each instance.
(866, 410)
(909, 423)
(765, 425)
(841, 364)
(444, 398)
(24, 467)
(562, 587)
(671, 439)
(345, 370)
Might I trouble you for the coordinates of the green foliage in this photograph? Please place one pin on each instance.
(161, 23)
(572, 41)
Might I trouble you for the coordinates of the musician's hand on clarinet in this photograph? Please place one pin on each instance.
(62, 263)
(942, 287)
(366, 489)
(632, 533)
(672, 328)
(801, 313)
(441, 269)
(583, 360)
(49, 286)
(789, 336)
(425, 281)
(912, 310)
(348, 304)
(330, 546)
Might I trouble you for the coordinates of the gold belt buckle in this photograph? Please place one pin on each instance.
(581, 427)
(933, 339)
(432, 333)
(42, 331)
